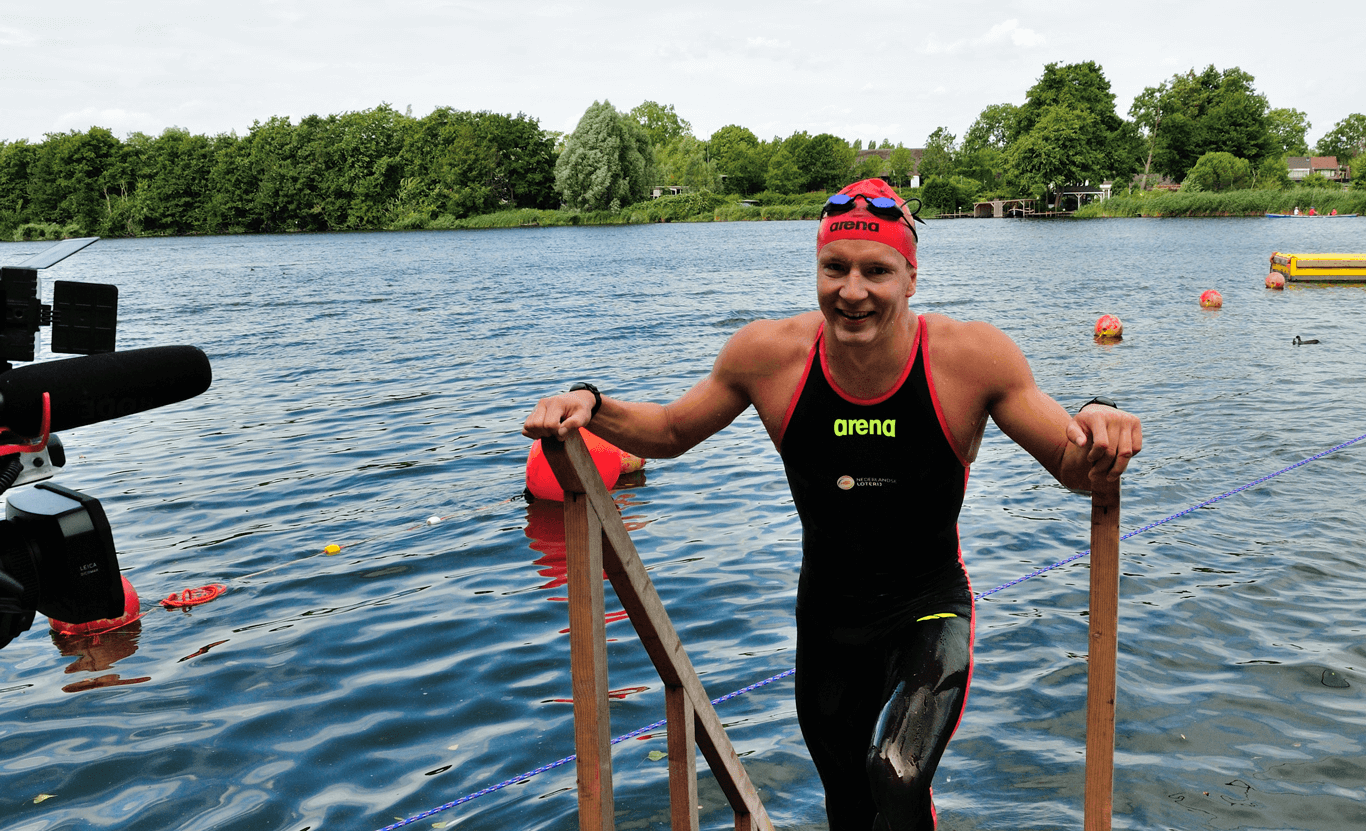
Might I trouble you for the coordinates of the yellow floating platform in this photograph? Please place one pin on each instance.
(1320, 268)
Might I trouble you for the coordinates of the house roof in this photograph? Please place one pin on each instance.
(1323, 163)
(1297, 162)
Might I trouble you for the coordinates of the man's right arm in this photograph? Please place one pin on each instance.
(658, 431)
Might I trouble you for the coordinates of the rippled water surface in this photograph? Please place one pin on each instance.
(364, 383)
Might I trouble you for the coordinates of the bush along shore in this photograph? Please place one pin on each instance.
(702, 206)
(1228, 203)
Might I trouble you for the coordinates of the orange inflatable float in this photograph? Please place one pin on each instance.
(610, 460)
(132, 610)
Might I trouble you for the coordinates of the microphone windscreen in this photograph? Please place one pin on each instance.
(97, 388)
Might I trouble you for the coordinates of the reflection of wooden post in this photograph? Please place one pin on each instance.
(1100, 674)
(597, 541)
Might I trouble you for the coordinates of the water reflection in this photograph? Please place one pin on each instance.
(96, 653)
(545, 529)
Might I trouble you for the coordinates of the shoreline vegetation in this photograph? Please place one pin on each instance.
(1208, 133)
(773, 207)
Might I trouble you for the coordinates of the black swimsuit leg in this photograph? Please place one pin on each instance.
(929, 683)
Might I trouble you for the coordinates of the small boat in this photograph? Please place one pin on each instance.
(1308, 216)
(1320, 268)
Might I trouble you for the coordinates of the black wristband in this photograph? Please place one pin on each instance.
(597, 396)
(1099, 399)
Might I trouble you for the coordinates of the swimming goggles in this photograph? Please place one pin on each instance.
(879, 206)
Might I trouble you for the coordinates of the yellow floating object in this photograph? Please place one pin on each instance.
(332, 549)
(1314, 268)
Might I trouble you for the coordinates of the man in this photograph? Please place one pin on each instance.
(877, 413)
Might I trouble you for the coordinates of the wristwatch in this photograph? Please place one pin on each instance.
(1099, 399)
(597, 396)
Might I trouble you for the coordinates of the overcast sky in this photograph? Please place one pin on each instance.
(858, 70)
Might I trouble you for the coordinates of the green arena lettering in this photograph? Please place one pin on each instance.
(865, 427)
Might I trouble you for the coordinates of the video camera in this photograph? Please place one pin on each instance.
(56, 548)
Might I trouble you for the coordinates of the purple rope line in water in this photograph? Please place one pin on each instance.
(619, 739)
(522, 777)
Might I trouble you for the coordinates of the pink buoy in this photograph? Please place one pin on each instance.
(1212, 300)
(132, 610)
(541, 481)
(1109, 327)
(1275, 280)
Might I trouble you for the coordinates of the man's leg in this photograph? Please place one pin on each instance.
(839, 690)
(928, 675)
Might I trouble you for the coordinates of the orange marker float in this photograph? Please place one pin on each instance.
(132, 610)
(1212, 300)
(610, 460)
(1109, 328)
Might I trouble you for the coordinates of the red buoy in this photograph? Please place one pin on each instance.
(1109, 327)
(1212, 300)
(131, 611)
(1275, 280)
(610, 461)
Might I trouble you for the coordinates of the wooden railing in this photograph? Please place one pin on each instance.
(597, 541)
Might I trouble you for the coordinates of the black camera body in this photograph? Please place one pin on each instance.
(56, 547)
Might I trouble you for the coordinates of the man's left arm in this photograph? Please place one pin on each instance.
(1084, 452)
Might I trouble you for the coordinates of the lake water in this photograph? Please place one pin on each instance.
(364, 383)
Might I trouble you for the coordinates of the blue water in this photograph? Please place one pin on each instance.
(364, 383)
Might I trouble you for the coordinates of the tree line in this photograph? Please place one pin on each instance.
(1209, 130)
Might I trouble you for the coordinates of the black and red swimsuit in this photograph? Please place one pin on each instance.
(884, 607)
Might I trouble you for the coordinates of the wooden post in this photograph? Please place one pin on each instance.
(588, 663)
(682, 736)
(1100, 673)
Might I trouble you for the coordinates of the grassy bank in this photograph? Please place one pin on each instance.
(1228, 203)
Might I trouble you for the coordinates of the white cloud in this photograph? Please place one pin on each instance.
(1009, 30)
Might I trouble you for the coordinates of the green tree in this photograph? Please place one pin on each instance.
(1358, 171)
(607, 161)
(1207, 112)
(900, 166)
(1317, 181)
(1274, 174)
(827, 161)
(937, 158)
(739, 158)
(661, 122)
(992, 130)
(1346, 140)
(684, 161)
(1289, 128)
(785, 175)
(1057, 151)
(1218, 171)
(67, 178)
(1147, 113)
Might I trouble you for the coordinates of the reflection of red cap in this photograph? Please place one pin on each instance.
(860, 224)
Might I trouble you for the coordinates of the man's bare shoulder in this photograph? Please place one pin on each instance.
(765, 346)
(965, 340)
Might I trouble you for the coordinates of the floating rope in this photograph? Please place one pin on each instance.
(193, 597)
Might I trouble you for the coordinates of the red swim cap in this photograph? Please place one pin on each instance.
(860, 224)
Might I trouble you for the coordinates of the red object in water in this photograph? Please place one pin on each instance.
(1109, 326)
(1212, 300)
(541, 481)
(1275, 280)
(193, 597)
(132, 610)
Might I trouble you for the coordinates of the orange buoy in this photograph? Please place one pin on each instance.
(1275, 280)
(1109, 327)
(1212, 300)
(132, 610)
(610, 460)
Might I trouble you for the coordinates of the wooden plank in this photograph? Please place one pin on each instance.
(682, 760)
(1100, 671)
(588, 651)
(637, 595)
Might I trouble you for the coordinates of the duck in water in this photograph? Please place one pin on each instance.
(1299, 341)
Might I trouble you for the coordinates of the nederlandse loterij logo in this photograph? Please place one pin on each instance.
(853, 225)
(865, 427)
(845, 482)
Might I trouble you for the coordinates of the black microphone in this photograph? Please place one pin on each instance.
(97, 388)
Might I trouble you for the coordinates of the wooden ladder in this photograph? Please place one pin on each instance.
(597, 541)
